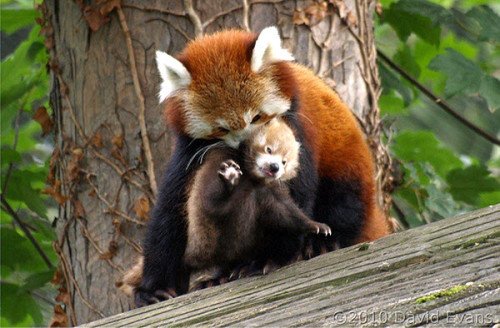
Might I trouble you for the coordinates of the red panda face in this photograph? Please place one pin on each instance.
(273, 152)
(224, 86)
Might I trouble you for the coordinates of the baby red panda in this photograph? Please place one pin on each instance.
(224, 86)
(237, 201)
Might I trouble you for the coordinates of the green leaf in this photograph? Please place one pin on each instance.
(391, 105)
(421, 147)
(415, 16)
(467, 184)
(489, 198)
(392, 82)
(10, 156)
(406, 59)
(463, 75)
(490, 90)
(37, 280)
(18, 307)
(14, 19)
(20, 188)
(18, 253)
(488, 21)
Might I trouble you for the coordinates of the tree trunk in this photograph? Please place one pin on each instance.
(111, 141)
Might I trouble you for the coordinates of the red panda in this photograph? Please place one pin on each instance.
(222, 87)
(232, 211)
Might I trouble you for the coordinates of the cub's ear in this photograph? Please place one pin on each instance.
(268, 49)
(174, 75)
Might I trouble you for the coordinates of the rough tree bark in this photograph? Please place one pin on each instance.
(111, 141)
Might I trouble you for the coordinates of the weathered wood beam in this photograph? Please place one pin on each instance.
(447, 273)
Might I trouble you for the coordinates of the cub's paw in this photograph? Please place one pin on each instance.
(230, 172)
(143, 298)
(321, 228)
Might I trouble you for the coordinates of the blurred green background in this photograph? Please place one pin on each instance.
(451, 47)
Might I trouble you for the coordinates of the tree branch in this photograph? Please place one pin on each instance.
(26, 231)
(438, 101)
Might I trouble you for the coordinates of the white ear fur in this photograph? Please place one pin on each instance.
(268, 49)
(174, 75)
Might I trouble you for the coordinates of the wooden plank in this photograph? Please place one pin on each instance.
(455, 260)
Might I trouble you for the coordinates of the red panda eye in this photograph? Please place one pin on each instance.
(268, 150)
(223, 130)
(256, 118)
(284, 162)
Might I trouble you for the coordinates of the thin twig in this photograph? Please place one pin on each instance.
(223, 13)
(438, 101)
(132, 243)
(58, 250)
(246, 15)
(73, 281)
(142, 106)
(86, 234)
(160, 10)
(110, 206)
(26, 231)
(193, 16)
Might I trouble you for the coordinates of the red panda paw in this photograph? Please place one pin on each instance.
(321, 228)
(230, 172)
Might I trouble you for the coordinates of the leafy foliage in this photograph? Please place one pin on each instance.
(24, 273)
(452, 50)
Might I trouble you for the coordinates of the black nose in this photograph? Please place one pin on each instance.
(274, 167)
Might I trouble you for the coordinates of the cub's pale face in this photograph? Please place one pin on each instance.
(274, 152)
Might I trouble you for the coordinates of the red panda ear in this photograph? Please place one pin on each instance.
(173, 73)
(268, 49)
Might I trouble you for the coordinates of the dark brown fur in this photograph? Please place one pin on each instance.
(229, 224)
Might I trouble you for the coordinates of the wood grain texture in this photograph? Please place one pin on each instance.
(382, 285)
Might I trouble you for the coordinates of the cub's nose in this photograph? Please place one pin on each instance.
(273, 167)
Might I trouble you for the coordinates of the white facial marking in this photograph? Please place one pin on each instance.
(196, 126)
(222, 123)
(173, 73)
(264, 160)
(275, 105)
(268, 49)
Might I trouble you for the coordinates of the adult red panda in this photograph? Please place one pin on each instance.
(223, 86)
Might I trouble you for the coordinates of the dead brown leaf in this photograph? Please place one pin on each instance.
(299, 17)
(73, 168)
(312, 14)
(59, 319)
(78, 210)
(117, 141)
(141, 208)
(112, 250)
(55, 192)
(96, 140)
(42, 117)
(108, 6)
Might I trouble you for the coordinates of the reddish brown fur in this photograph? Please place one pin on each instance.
(340, 149)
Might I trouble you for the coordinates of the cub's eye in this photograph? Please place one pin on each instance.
(223, 130)
(268, 150)
(256, 118)
(284, 162)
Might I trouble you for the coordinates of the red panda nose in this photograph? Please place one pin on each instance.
(273, 167)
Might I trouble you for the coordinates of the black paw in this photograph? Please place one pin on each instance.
(230, 171)
(246, 270)
(143, 298)
(321, 228)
